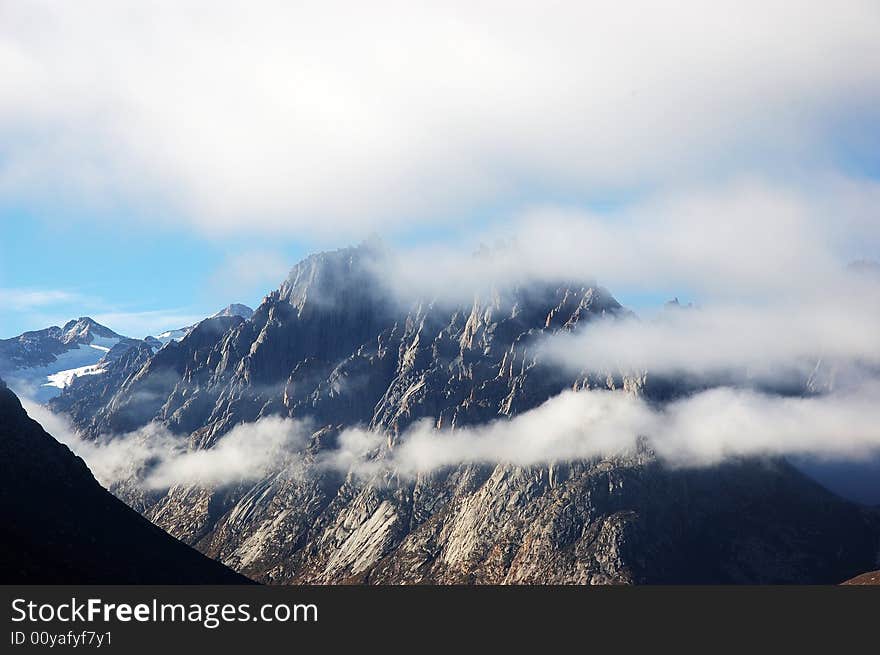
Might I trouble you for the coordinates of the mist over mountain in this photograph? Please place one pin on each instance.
(337, 378)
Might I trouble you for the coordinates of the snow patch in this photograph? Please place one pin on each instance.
(42, 383)
(63, 379)
(172, 335)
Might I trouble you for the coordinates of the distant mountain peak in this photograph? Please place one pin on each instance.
(163, 338)
(42, 362)
(235, 309)
(84, 330)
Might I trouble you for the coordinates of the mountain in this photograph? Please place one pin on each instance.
(332, 345)
(40, 364)
(61, 527)
(235, 309)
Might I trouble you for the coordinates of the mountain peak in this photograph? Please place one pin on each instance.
(332, 276)
(235, 309)
(84, 330)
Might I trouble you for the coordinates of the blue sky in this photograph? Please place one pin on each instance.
(138, 276)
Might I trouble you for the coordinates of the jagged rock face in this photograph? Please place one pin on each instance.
(94, 392)
(60, 527)
(629, 521)
(332, 346)
(169, 336)
(622, 521)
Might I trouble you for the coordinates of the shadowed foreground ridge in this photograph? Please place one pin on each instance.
(59, 526)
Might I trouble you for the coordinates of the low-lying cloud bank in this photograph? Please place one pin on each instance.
(702, 430)
(155, 458)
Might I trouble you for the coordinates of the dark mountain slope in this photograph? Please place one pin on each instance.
(58, 526)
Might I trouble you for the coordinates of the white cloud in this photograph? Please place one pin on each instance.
(315, 117)
(248, 452)
(701, 430)
(139, 324)
(27, 299)
(704, 429)
(749, 240)
(244, 272)
(157, 459)
(762, 343)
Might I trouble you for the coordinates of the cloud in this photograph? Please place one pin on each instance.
(767, 263)
(28, 299)
(154, 458)
(767, 343)
(142, 323)
(319, 117)
(248, 452)
(702, 430)
(244, 272)
(45, 307)
(748, 239)
(25, 299)
(722, 423)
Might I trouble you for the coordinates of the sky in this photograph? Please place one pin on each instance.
(136, 278)
(160, 161)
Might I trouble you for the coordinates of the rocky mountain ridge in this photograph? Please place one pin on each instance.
(333, 346)
(42, 347)
(41, 363)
